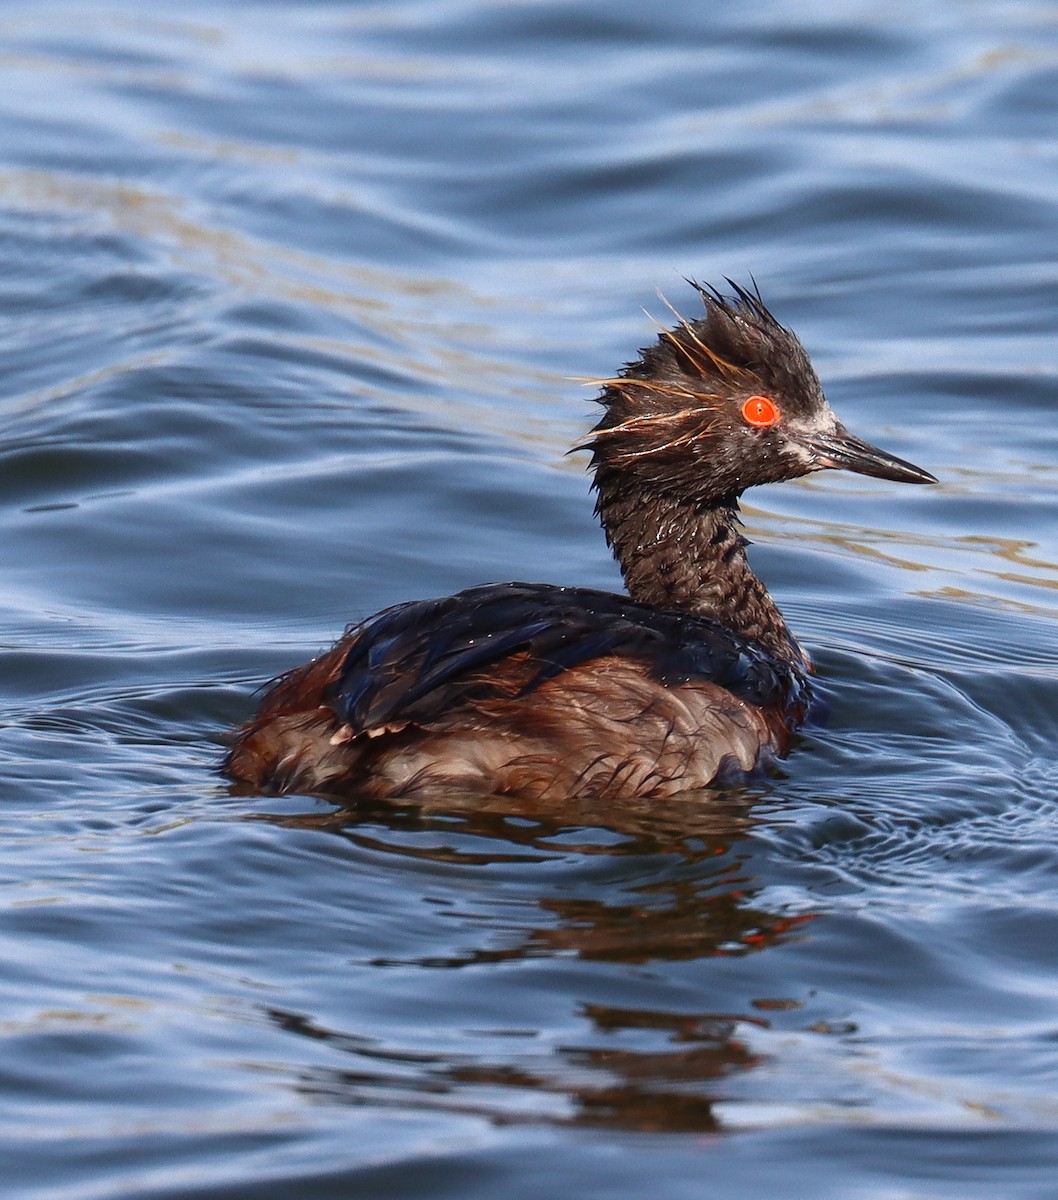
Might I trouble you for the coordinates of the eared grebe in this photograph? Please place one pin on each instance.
(544, 692)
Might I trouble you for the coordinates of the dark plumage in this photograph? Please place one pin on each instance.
(544, 692)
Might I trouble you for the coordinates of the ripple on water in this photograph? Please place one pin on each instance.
(293, 306)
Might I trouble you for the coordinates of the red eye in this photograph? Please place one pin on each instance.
(761, 411)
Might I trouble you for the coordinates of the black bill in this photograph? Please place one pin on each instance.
(847, 453)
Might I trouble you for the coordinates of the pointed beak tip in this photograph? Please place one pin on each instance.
(888, 466)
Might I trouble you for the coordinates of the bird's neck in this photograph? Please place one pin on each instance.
(677, 556)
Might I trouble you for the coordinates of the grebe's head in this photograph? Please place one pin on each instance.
(721, 403)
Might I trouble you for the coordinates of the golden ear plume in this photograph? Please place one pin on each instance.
(719, 362)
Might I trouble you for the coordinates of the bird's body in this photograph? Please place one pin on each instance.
(544, 692)
(527, 689)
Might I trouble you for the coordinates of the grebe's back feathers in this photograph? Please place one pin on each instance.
(531, 688)
(418, 658)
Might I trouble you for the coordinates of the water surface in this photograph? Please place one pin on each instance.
(295, 302)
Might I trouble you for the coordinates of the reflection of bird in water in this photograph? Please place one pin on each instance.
(546, 692)
(678, 890)
(670, 1088)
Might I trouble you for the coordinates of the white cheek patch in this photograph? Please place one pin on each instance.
(822, 423)
(800, 454)
(802, 432)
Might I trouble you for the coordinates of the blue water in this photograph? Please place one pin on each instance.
(295, 305)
